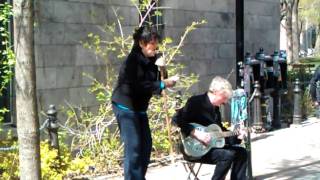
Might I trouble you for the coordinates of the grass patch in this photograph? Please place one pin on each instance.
(310, 60)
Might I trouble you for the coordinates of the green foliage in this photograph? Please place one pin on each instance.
(53, 166)
(9, 159)
(310, 9)
(91, 136)
(304, 78)
(56, 166)
(7, 58)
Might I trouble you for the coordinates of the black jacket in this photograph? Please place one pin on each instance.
(138, 79)
(313, 84)
(199, 109)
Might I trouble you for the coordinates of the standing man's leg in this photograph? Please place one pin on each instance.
(130, 132)
(146, 141)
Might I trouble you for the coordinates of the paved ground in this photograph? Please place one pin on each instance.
(286, 154)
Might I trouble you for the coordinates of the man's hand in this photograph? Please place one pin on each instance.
(315, 103)
(171, 81)
(203, 137)
(242, 134)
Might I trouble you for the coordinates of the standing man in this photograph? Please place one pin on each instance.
(204, 110)
(138, 80)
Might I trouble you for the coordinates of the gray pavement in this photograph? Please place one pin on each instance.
(289, 153)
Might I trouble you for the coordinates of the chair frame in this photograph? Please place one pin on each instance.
(192, 169)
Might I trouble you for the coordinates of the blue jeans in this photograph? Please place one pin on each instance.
(136, 136)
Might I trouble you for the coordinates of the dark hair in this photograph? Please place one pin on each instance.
(146, 34)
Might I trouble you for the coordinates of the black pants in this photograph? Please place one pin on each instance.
(233, 157)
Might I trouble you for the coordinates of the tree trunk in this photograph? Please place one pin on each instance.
(295, 31)
(26, 103)
(289, 33)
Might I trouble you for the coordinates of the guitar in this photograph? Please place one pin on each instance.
(194, 148)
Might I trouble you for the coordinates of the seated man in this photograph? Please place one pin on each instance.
(204, 110)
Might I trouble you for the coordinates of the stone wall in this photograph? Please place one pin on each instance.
(262, 25)
(61, 59)
(210, 50)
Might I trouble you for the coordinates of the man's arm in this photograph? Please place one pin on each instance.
(182, 118)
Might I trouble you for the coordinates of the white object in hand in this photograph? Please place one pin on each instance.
(174, 78)
(161, 61)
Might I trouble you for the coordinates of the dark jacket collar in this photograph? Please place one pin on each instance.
(141, 58)
(207, 102)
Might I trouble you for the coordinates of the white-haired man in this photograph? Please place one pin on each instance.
(204, 110)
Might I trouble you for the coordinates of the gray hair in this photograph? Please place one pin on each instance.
(221, 84)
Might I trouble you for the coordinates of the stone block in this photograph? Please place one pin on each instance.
(175, 33)
(204, 5)
(89, 72)
(222, 66)
(220, 19)
(224, 35)
(81, 97)
(91, 1)
(172, 4)
(128, 15)
(85, 56)
(200, 50)
(260, 22)
(199, 66)
(75, 33)
(120, 2)
(191, 16)
(58, 97)
(68, 77)
(179, 18)
(46, 78)
(227, 51)
(49, 33)
(228, 6)
(186, 4)
(55, 55)
(260, 8)
(45, 10)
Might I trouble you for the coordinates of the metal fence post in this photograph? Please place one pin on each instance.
(53, 127)
(257, 119)
(297, 111)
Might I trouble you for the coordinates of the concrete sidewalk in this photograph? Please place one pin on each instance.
(289, 153)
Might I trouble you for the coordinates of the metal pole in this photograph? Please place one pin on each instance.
(297, 111)
(257, 119)
(53, 127)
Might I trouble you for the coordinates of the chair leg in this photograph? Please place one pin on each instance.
(190, 167)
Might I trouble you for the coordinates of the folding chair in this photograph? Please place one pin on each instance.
(190, 164)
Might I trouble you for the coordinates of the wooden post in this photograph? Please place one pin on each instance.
(165, 107)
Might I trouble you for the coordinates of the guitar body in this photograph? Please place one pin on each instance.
(195, 148)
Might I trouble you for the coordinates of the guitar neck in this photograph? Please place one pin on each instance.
(230, 133)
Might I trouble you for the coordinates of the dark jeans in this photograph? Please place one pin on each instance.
(136, 136)
(225, 158)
